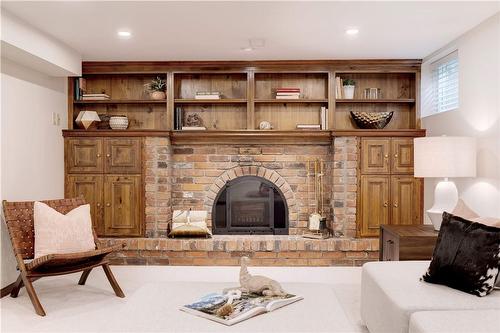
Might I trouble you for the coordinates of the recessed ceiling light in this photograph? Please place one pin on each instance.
(352, 31)
(247, 49)
(124, 34)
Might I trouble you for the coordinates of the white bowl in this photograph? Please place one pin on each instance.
(118, 123)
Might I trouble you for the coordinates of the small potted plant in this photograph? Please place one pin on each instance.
(349, 85)
(156, 88)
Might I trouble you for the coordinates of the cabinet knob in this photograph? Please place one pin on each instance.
(390, 241)
(108, 155)
(386, 156)
(98, 204)
(386, 204)
(98, 155)
(108, 204)
(395, 155)
(395, 205)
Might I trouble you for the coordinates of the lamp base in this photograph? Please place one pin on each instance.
(445, 199)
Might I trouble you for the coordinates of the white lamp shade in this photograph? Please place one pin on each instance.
(445, 156)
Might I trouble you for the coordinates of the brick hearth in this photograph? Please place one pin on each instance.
(265, 250)
(190, 176)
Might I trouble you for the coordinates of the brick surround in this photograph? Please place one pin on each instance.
(190, 176)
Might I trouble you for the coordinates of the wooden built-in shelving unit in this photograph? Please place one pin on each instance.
(248, 93)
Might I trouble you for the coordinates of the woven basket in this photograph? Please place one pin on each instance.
(371, 120)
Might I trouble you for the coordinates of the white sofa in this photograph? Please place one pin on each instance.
(391, 292)
(464, 321)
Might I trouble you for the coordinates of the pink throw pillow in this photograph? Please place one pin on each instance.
(56, 233)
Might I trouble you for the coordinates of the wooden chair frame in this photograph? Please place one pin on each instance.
(19, 220)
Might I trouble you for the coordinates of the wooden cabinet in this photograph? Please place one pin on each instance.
(375, 156)
(406, 196)
(107, 173)
(402, 155)
(375, 211)
(84, 155)
(122, 211)
(388, 192)
(91, 188)
(407, 242)
(123, 155)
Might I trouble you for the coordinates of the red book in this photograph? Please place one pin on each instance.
(288, 90)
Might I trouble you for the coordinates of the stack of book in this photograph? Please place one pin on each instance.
(208, 95)
(178, 116)
(95, 97)
(308, 127)
(288, 93)
(324, 118)
(339, 92)
(80, 88)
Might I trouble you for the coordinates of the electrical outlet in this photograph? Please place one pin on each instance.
(58, 119)
(54, 118)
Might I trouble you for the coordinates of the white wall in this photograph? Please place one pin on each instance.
(32, 150)
(478, 115)
(31, 47)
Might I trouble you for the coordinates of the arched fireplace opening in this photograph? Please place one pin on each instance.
(250, 205)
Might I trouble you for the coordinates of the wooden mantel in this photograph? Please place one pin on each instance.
(246, 136)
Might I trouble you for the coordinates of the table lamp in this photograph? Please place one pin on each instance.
(444, 157)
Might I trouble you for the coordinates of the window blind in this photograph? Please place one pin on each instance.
(445, 81)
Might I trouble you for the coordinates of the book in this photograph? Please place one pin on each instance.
(309, 126)
(323, 114)
(248, 306)
(178, 118)
(208, 93)
(288, 90)
(193, 128)
(288, 97)
(207, 97)
(287, 94)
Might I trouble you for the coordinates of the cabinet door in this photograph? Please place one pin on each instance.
(90, 187)
(374, 202)
(123, 155)
(375, 156)
(402, 156)
(122, 211)
(406, 197)
(84, 155)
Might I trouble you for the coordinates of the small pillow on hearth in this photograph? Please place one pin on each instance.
(189, 223)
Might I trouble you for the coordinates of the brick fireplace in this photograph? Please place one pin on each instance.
(183, 176)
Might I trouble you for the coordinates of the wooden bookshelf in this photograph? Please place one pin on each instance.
(399, 94)
(249, 93)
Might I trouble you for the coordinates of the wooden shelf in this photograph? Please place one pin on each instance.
(210, 101)
(272, 101)
(247, 136)
(405, 100)
(123, 101)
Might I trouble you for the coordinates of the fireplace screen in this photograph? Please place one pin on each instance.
(250, 205)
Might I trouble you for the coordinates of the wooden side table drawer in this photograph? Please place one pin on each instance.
(407, 242)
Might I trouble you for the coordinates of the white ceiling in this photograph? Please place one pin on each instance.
(218, 30)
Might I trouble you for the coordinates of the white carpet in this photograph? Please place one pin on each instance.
(154, 294)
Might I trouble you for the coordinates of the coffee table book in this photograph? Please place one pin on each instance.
(248, 306)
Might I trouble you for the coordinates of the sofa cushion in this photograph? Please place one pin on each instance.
(465, 321)
(392, 291)
(466, 256)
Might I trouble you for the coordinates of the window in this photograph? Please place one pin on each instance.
(445, 83)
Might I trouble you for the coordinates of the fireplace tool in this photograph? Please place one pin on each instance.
(317, 219)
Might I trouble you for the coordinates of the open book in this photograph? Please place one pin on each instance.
(250, 305)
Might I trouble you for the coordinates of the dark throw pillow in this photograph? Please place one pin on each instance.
(466, 256)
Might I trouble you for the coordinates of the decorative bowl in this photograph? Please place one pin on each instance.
(371, 120)
(118, 122)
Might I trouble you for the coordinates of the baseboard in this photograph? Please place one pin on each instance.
(6, 290)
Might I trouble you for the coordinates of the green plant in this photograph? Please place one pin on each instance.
(349, 82)
(157, 84)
